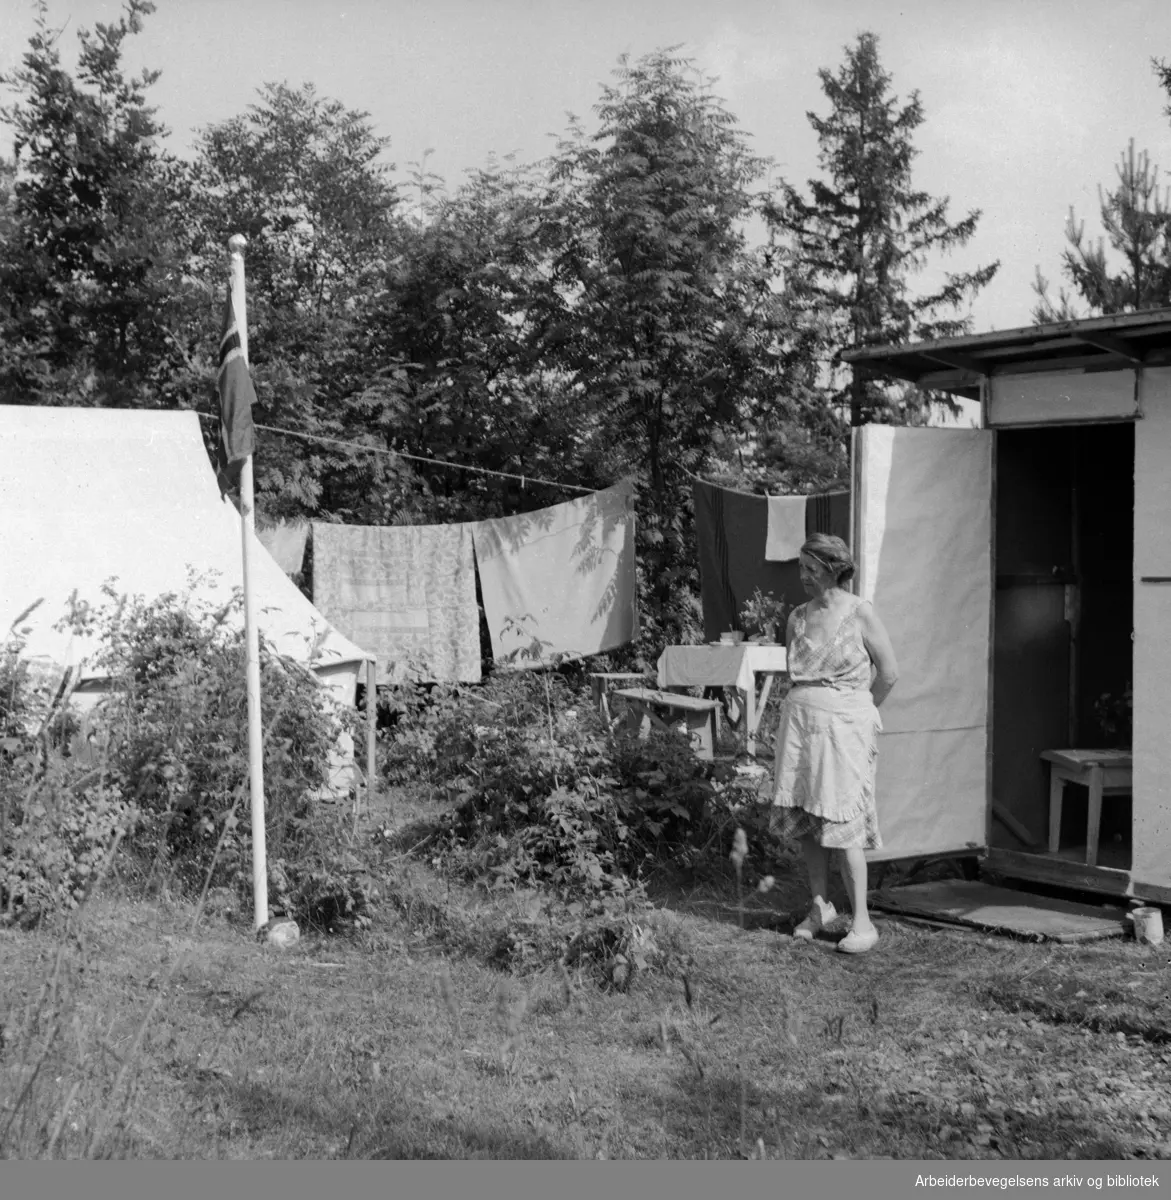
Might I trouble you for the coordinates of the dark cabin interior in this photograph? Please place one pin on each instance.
(1064, 549)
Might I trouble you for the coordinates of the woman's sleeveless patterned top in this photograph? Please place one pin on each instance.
(843, 662)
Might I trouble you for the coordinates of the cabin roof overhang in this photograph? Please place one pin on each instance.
(960, 364)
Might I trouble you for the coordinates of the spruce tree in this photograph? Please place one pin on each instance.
(866, 230)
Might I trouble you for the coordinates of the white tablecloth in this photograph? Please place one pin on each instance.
(719, 666)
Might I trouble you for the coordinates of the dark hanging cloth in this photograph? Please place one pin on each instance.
(711, 530)
(732, 529)
(829, 513)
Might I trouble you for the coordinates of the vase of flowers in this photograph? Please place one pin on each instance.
(764, 615)
(1115, 716)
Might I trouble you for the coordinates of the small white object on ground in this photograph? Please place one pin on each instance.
(283, 933)
(1148, 925)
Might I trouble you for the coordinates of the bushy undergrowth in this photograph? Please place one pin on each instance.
(609, 939)
(163, 758)
(56, 824)
(541, 793)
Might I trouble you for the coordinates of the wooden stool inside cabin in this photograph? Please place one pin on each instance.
(1103, 772)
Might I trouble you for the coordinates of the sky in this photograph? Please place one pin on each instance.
(1028, 104)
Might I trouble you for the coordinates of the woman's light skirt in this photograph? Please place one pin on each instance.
(826, 760)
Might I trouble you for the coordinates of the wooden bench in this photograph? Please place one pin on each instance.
(1104, 772)
(602, 683)
(701, 717)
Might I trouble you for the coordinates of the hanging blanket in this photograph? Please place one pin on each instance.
(560, 580)
(731, 529)
(406, 592)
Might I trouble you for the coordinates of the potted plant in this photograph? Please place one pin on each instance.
(1115, 716)
(764, 615)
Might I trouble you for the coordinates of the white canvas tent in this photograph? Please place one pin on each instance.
(88, 494)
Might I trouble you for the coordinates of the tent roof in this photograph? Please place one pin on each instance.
(87, 494)
(1126, 340)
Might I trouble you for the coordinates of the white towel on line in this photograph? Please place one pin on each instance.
(786, 528)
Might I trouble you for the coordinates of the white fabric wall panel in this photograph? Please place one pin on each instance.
(931, 788)
(924, 553)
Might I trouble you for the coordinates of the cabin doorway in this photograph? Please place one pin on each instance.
(1063, 630)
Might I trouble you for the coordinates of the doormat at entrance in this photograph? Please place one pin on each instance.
(1001, 910)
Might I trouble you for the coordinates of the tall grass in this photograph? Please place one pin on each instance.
(67, 1091)
(74, 1093)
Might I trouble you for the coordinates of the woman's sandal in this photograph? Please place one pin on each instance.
(858, 943)
(818, 918)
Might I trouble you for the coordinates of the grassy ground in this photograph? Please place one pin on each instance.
(143, 1037)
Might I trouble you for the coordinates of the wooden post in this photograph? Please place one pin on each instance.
(236, 246)
(371, 731)
(1094, 815)
(1056, 796)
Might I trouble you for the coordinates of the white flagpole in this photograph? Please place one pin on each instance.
(236, 246)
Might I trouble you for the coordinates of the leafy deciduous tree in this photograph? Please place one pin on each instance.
(303, 178)
(673, 319)
(470, 316)
(90, 269)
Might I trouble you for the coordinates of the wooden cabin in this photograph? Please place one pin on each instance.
(1024, 571)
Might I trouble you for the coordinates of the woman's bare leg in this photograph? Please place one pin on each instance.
(817, 865)
(854, 874)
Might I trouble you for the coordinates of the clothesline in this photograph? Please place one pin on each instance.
(438, 462)
(832, 489)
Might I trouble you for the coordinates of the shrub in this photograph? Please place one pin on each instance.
(413, 715)
(542, 793)
(175, 759)
(58, 820)
(668, 787)
(179, 704)
(326, 886)
(532, 807)
(58, 844)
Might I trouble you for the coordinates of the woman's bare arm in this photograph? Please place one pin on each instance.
(877, 642)
(789, 627)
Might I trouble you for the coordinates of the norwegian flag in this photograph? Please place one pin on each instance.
(236, 396)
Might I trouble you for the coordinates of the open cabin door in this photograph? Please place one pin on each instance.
(923, 546)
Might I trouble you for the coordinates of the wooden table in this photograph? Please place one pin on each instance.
(750, 667)
(1104, 772)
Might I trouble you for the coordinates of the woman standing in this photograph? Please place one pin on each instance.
(841, 667)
